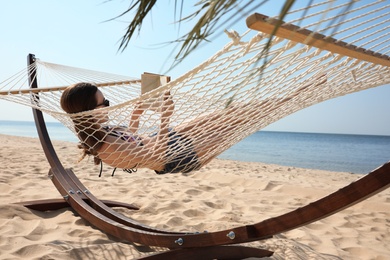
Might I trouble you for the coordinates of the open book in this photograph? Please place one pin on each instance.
(149, 82)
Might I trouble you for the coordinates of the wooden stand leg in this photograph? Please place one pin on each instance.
(55, 204)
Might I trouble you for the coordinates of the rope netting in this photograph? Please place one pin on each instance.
(250, 83)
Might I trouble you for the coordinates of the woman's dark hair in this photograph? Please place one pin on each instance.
(79, 98)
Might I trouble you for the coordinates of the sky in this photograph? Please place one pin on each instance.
(82, 34)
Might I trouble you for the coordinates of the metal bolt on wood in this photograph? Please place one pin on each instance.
(179, 241)
(231, 235)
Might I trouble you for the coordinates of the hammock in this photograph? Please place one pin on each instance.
(253, 81)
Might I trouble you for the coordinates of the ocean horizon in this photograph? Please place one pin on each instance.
(332, 152)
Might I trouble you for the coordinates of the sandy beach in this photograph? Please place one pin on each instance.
(222, 195)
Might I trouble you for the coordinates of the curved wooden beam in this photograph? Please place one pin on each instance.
(367, 186)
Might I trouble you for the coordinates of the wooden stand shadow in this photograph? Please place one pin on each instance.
(215, 245)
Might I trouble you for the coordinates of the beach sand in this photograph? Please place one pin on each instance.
(222, 195)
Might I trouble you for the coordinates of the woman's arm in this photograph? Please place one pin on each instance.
(166, 113)
(135, 116)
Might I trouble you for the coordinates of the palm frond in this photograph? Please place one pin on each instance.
(209, 15)
(143, 7)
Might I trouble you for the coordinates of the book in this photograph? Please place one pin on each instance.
(149, 82)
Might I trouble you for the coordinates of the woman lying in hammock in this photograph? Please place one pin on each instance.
(168, 151)
(185, 148)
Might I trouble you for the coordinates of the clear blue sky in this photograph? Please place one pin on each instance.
(77, 33)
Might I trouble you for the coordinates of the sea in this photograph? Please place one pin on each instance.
(332, 152)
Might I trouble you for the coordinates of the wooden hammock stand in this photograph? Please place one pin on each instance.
(214, 245)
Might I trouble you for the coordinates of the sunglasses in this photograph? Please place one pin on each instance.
(105, 103)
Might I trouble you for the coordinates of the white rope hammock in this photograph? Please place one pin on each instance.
(236, 92)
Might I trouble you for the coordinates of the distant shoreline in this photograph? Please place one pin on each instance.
(53, 123)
